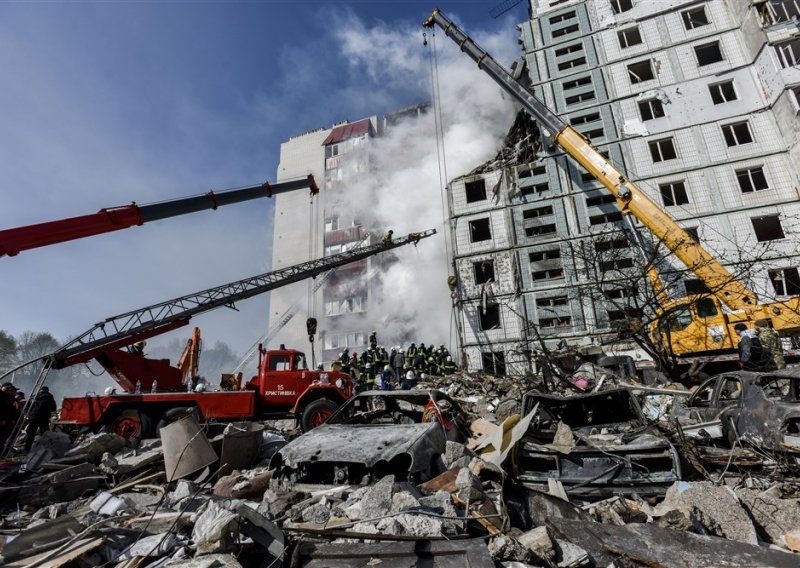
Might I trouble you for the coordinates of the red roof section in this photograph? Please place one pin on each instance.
(346, 131)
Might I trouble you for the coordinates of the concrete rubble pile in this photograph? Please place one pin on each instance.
(483, 471)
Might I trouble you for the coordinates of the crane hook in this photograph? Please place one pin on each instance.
(424, 39)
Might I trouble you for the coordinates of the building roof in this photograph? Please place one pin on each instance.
(349, 130)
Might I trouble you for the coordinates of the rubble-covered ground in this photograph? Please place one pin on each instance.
(617, 475)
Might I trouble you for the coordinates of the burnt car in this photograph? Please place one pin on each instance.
(596, 445)
(760, 408)
(375, 433)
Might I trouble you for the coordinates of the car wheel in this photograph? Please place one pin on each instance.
(316, 413)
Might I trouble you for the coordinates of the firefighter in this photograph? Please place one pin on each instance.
(411, 352)
(373, 340)
(410, 381)
(387, 237)
(8, 411)
(41, 410)
(449, 367)
(771, 343)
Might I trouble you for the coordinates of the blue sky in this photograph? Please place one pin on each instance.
(108, 103)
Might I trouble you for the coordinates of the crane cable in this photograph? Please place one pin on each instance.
(441, 158)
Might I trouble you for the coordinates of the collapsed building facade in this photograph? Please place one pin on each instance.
(697, 101)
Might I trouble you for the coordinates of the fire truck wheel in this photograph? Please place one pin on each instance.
(131, 424)
(316, 413)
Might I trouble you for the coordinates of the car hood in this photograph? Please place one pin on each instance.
(367, 444)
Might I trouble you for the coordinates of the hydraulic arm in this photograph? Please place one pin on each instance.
(629, 197)
(15, 240)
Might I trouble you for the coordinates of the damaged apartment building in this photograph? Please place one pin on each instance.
(697, 101)
(338, 157)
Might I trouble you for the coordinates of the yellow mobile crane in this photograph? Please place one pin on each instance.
(693, 326)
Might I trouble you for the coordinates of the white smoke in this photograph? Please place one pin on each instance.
(405, 190)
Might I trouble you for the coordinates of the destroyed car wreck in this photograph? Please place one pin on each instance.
(595, 444)
(374, 434)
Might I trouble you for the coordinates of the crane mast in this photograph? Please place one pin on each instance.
(630, 198)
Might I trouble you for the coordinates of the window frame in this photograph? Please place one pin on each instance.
(764, 234)
(704, 47)
(671, 187)
(635, 78)
(623, 37)
(657, 144)
(720, 86)
(749, 173)
(654, 106)
(732, 132)
(686, 16)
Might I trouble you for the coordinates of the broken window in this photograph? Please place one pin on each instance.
(629, 37)
(594, 134)
(584, 118)
(708, 53)
(695, 286)
(484, 271)
(662, 150)
(737, 134)
(602, 199)
(767, 228)
(694, 18)
(573, 48)
(620, 6)
(563, 321)
(529, 172)
(494, 362)
(537, 212)
(788, 53)
(673, 194)
(786, 281)
(582, 98)
(612, 217)
(752, 179)
(551, 302)
(549, 254)
(565, 31)
(619, 293)
(650, 109)
(616, 264)
(641, 71)
(539, 188)
(540, 230)
(567, 85)
(623, 315)
(611, 244)
(489, 317)
(551, 274)
(476, 190)
(722, 92)
(563, 17)
(572, 63)
(479, 230)
(331, 224)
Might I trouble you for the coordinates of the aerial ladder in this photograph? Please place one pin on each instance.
(18, 239)
(108, 341)
(691, 326)
(287, 316)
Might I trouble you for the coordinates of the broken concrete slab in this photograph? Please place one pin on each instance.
(538, 541)
(718, 504)
(95, 445)
(654, 546)
(208, 561)
(774, 516)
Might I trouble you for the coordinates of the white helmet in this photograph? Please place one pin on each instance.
(200, 388)
(109, 391)
(386, 368)
(410, 376)
(423, 376)
(449, 359)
